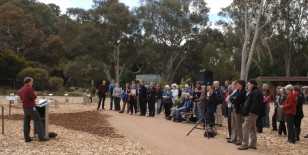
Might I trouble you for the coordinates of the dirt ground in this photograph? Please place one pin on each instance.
(82, 129)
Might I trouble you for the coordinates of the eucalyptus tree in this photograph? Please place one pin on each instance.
(290, 35)
(118, 26)
(169, 24)
(252, 17)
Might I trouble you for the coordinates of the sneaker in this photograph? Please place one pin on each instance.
(306, 136)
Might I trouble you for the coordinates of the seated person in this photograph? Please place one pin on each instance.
(185, 108)
(173, 110)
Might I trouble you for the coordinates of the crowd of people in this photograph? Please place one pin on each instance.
(245, 105)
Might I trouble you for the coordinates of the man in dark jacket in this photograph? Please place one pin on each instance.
(28, 97)
(151, 99)
(251, 110)
(102, 90)
(143, 98)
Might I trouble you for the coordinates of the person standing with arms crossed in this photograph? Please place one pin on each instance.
(28, 97)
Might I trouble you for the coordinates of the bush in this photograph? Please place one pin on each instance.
(40, 77)
(10, 65)
(56, 84)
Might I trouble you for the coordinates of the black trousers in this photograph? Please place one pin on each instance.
(133, 105)
(151, 106)
(282, 128)
(143, 105)
(101, 98)
(297, 125)
(259, 124)
(290, 127)
(167, 109)
(210, 119)
(274, 120)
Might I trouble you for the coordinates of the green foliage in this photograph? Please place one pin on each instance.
(10, 66)
(40, 77)
(56, 84)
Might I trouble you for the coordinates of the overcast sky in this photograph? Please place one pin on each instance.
(215, 5)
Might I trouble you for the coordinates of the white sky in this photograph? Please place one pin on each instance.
(215, 5)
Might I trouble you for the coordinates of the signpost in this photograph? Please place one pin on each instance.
(10, 98)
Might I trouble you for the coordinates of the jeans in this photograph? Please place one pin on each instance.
(101, 98)
(266, 122)
(33, 114)
(158, 106)
(198, 111)
(111, 101)
(290, 127)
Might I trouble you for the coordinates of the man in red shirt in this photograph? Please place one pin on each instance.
(28, 97)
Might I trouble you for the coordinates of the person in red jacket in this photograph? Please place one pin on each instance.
(28, 97)
(289, 109)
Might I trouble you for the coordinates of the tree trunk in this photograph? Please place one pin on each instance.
(245, 45)
(116, 57)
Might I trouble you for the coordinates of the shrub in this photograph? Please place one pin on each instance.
(40, 77)
(56, 84)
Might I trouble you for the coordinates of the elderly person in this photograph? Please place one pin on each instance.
(173, 110)
(289, 109)
(211, 106)
(28, 96)
(280, 115)
(187, 89)
(117, 91)
(175, 93)
(167, 95)
(299, 111)
(184, 108)
(218, 113)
